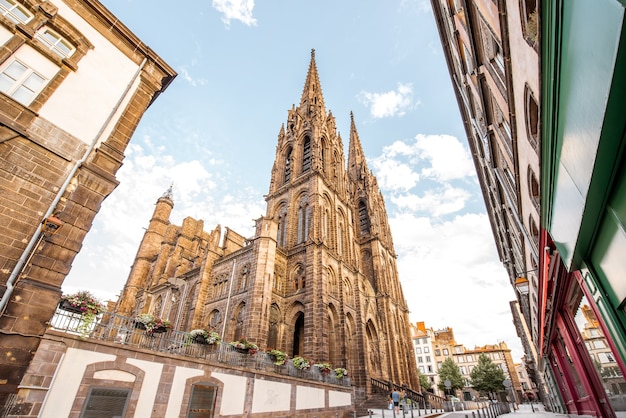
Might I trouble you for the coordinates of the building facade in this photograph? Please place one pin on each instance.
(423, 338)
(74, 84)
(318, 279)
(538, 88)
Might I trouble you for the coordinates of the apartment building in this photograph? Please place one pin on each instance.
(539, 89)
(74, 84)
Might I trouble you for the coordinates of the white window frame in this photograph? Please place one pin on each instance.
(20, 82)
(54, 45)
(7, 8)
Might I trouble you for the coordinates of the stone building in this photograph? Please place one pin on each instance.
(318, 279)
(538, 88)
(74, 84)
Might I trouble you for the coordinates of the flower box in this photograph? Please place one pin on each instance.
(67, 306)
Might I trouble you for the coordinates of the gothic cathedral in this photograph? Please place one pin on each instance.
(318, 278)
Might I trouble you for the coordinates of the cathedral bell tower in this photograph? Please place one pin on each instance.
(335, 291)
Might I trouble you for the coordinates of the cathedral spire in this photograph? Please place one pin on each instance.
(312, 98)
(357, 166)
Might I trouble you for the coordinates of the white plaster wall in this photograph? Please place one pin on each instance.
(147, 395)
(308, 398)
(83, 101)
(117, 375)
(271, 396)
(5, 35)
(69, 375)
(181, 375)
(336, 398)
(234, 393)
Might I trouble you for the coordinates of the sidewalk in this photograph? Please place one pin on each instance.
(523, 411)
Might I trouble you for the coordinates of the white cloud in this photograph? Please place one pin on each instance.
(195, 82)
(394, 175)
(389, 104)
(449, 159)
(236, 9)
(436, 202)
(451, 275)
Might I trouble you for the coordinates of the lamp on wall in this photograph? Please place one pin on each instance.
(522, 285)
(51, 225)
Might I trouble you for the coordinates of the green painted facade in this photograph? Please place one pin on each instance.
(583, 168)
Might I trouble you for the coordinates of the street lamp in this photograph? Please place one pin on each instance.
(522, 285)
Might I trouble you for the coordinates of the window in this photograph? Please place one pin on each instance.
(606, 358)
(599, 344)
(422, 369)
(418, 350)
(306, 155)
(55, 42)
(429, 368)
(437, 352)
(445, 351)
(420, 360)
(21, 82)
(202, 401)
(14, 11)
(427, 359)
(532, 117)
(426, 350)
(105, 402)
(287, 165)
(364, 221)
(463, 370)
(470, 358)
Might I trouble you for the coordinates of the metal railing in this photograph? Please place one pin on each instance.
(125, 331)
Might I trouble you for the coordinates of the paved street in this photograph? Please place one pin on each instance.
(523, 411)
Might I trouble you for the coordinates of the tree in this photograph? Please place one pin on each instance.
(424, 381)
(487, 376)
(450, 371)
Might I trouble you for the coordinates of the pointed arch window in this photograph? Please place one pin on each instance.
(364, 219)
(340, 239)
(243, 282)
(303, 223)
(288, 166)
(306, 154)
(325, 225)
(282, 230)
(299, 279)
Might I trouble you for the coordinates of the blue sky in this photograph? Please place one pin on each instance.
(213, 134)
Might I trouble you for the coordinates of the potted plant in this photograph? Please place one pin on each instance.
(87, 305)
(340, 373)
(301, 363)
(202, 336)
(244, 346)
(324, 368)
(152, 324)
(278, 357)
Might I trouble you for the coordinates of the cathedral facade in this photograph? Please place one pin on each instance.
(318, 279)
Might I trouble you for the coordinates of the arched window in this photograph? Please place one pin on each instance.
(340, 239)
(282, 229)
(303, 222)
(364, 220)
(533, 187)
(240, 315)
(288, 166)
(306, 154)
(532, 117)
(299, 278)
(325, 225)
(243, 280)
(272, 338)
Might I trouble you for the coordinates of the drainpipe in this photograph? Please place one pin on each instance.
(36, 237)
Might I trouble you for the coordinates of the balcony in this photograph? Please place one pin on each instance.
(117, 329)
